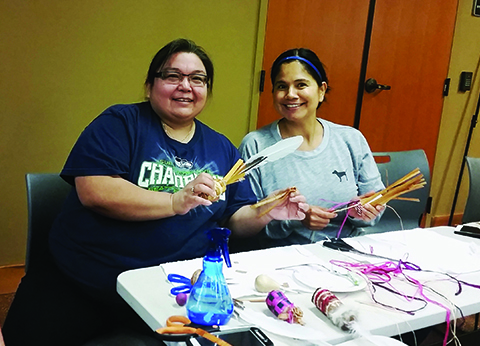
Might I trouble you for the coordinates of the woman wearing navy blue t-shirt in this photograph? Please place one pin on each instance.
(140, 174)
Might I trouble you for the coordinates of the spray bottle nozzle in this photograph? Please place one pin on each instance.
(219, 244)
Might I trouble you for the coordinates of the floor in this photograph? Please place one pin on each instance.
(10, 277)
(466, 333)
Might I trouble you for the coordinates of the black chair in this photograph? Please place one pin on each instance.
(472, 208)
(397, 165)
(46, 193)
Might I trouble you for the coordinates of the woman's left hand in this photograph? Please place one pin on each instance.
(365, 212)
(292, 208)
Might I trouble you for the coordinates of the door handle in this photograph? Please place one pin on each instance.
(371, 86)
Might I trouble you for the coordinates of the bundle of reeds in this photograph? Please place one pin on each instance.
(240, 169)
(274, 200)
(236, 173)
(410, 182)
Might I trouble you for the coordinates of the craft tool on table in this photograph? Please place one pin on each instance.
(185, 282)
(182, 325)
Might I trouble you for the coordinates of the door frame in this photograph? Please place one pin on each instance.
(258, 64)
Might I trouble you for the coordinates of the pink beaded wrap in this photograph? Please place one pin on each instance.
(278, 303)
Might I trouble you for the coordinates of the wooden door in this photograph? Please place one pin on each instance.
(332, 30)
(409, 49)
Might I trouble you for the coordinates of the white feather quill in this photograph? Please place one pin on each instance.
(238, 171)
(273, 152)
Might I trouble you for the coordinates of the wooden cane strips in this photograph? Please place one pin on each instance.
(236, 173)
(410, 182)
(276, 199)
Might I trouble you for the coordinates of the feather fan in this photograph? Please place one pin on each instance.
(240, 169)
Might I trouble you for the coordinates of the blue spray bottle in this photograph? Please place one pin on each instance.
(210, 302)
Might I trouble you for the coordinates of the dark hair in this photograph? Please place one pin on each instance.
(313, 65)
(180, 45)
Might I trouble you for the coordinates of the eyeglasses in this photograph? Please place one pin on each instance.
(176, 77)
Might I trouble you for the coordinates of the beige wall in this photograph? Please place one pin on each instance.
(457, 113)
(63, 62)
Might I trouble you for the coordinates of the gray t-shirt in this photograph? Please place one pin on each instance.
(339, 169)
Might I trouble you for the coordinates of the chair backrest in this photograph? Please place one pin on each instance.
(46, 193)
(472, 208)
(400, 163)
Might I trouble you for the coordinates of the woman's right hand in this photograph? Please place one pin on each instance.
(317, 218)
(189, 197)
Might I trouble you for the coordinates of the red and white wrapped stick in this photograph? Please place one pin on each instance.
(340, 315)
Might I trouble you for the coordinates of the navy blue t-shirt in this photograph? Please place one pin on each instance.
(128, 140)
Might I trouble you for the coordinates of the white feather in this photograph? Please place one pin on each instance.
(274, 152)
(343, 316)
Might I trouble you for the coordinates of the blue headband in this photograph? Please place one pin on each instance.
(304, 60)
